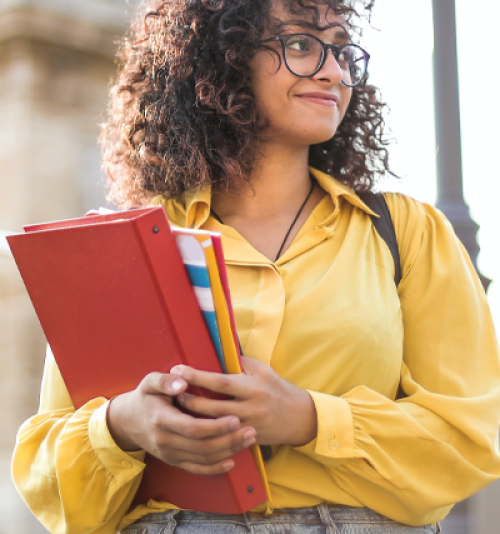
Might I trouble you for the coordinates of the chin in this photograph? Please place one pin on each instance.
(320, 137)
(307, 136)
(320, 134)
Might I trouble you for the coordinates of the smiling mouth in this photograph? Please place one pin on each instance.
(322, 100)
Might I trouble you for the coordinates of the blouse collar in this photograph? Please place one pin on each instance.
(192, 209)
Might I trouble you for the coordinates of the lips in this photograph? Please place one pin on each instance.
(324, 99)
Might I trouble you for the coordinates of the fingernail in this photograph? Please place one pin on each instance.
(227, 466)
(176, 370)
(249, 434)
(176, 385)
(249, 442)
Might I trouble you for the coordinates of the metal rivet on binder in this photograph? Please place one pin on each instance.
(250, 489)
(156, 229)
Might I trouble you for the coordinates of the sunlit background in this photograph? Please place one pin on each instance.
(400, 41)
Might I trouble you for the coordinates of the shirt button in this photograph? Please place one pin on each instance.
(334, 445)
(126, 464)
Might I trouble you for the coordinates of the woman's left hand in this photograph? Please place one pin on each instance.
(281, 413)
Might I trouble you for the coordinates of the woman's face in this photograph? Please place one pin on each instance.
(301, 111)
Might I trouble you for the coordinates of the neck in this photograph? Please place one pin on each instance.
(279, 179)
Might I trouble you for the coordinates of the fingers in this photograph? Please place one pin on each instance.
(163, 384)
(212, 450)
(211, 455)
(201, 446)
(232, 385)
(174, 421)
(215, 469)
(209, 407)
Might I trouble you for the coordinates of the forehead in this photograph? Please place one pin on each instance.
(320, 18)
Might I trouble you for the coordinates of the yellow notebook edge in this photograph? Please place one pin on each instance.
(222, 314)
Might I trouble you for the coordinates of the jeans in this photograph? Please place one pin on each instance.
(322, 519)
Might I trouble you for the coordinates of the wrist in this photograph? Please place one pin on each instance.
(116, 423)
(305, 421)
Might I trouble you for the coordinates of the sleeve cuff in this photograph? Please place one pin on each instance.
(335, 437)
(124, 466)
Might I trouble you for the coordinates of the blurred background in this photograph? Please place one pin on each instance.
(56, 63)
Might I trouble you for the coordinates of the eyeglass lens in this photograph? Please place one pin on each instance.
(304, 53)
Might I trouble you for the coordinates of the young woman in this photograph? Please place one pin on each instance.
(381, 402)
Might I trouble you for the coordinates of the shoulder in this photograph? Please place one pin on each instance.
(420, 228)
(405, 209)
(411, 216)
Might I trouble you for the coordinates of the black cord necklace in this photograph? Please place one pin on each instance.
(313, 183)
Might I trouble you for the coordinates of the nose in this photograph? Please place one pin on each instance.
(330, 72)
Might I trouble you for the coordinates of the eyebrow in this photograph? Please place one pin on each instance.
(340, 34)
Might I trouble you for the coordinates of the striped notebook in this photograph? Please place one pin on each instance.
(193, 249)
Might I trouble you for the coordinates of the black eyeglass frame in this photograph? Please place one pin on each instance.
(336, 49)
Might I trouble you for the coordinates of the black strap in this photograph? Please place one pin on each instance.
(384, 226)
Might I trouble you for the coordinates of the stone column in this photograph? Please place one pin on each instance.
(448, 138)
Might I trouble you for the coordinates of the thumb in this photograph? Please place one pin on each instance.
(163, 384)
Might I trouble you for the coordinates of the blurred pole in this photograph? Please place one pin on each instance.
(448, 140)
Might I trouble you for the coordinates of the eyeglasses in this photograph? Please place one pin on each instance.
(305, 55)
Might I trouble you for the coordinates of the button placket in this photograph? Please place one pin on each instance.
(269, 312)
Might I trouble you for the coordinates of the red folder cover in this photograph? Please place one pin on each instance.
(115, 303)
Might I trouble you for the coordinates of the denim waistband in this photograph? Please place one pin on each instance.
(336, 519)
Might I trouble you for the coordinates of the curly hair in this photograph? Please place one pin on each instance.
(182, 114)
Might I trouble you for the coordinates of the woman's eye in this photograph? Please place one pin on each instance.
(346, 55)
(299, 44)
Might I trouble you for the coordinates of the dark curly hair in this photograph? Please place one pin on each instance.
(182, 113)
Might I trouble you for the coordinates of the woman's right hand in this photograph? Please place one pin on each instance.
(147, 419)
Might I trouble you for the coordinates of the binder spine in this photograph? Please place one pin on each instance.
(168, 271)
(146, 250)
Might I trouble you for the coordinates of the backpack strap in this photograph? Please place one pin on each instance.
(384, 226)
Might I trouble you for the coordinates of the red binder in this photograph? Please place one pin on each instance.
(115, 303)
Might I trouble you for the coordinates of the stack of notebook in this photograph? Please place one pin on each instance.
(123, 294)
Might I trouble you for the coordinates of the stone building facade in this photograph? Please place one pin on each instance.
(56, 62)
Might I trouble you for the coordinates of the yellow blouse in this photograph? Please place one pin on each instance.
(328, 317)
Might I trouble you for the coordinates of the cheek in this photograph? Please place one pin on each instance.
(263, 69)
(271, 96)
(271, 81)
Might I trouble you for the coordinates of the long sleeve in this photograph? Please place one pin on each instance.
(414, 457)
(67, 467)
